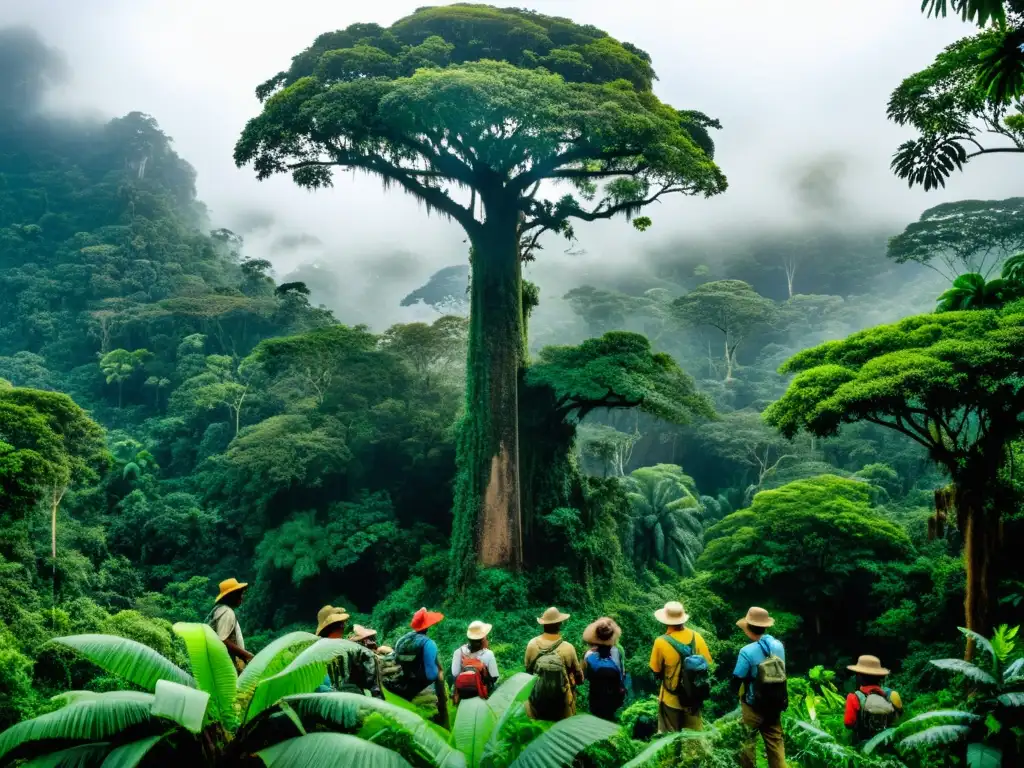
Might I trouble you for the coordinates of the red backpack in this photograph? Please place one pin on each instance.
(469, 684)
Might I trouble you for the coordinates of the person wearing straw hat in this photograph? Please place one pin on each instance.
(474, 667)
(557, 667)
(367, 638)
(762, 646)
(871, 708)
(667, 658)
(604, 668)
(224, 622)
(421, 679)
(355, 670)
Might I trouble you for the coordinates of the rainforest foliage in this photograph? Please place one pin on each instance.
(815, 418)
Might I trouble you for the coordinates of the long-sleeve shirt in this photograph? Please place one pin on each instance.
(484, 655)
(853, 703)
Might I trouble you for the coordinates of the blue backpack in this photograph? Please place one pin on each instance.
(694, 685)
(606, 678)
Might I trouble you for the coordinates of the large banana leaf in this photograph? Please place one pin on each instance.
(73, 697)
(558, 746)
(185, 706)
(965, 668)
(504, 701)
(344, 709)
(82, 756)
(302, 675)
(87, 720)
(135, 662)
(473, 725)
(270, 661)
(984, 756)
(213, 670)
(131, 754)
(937, 734)
(317, 750)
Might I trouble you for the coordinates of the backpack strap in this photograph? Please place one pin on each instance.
(765, 648)
(861, 698)
(546, 651)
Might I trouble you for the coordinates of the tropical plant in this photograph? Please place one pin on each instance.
(990, 725)
(665, 518)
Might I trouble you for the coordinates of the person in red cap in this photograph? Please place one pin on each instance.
(421, 679)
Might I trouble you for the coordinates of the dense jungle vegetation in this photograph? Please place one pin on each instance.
(827, 421)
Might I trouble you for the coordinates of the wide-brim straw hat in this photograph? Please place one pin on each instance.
(553, 616)
(869, 665)
(672, 614)
(478, 630)
(756, 617)
(329, 615)
(423, 619)
(359, 632)
(590, 634)
(228, 586)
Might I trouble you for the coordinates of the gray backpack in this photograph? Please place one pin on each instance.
(771, 696)
(877, 713)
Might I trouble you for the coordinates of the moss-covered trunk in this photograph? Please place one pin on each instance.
(487, 527)
(979, 523)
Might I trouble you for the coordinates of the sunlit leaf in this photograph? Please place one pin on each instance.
(473, 725)
(185, 706)
(965, 668)
(213, 670)
(133, 661)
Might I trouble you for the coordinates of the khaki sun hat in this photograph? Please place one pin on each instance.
(756, 617)
(359, 632)
(672, 614)
(553, 616)
(604, 631)
(478, 630)
(329, 615)
(228, 586)
(869, 665)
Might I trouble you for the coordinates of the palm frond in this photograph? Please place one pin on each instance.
(137, 663)
(965, 668)
(558, 746)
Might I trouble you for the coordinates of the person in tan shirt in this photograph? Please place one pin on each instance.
(551, 642)
(224, 622)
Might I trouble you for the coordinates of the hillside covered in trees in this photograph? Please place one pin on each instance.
(823, 420)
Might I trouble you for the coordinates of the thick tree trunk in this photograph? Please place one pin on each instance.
(487, 528)
(981, 528)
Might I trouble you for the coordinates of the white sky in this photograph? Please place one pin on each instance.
(793, 81)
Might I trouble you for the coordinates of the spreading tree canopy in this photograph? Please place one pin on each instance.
(496, 102)
(952, 383)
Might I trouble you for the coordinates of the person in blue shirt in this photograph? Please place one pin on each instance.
(755, 626)
(422, 678)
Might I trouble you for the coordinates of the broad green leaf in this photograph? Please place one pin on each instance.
(213, 670)
(965, 668)
(473, 725)
(940, 714)
(558, 746)
(937, 734)
(1011, 699)
(317, 750)
(73, 697)
(185, 706)
(655, 747)
(979, 640)
(302, 675)
(271, 660)
(91, 719)
(504, 701)
(398, 701)
(344, 709)
(131, 754)
(1012, 673)
(135, 662)
(983, 756)
(82, 756)
(884, 737)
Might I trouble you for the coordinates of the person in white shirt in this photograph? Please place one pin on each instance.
(476, 657)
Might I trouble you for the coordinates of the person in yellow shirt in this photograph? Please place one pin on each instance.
(674, 713)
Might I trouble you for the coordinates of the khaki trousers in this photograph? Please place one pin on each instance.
(671, 720)
(771, 732)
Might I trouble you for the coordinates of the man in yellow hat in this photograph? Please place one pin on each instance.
(225, 623)
(679, 701)
(761, 673)
(557, 668)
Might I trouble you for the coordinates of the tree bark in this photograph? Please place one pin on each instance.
(981, 529)
(487, 528)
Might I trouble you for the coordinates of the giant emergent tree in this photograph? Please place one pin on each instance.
(952, 383)
(496, 102)
(971, 93)
(963, 237)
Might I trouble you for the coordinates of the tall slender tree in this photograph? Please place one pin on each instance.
(500, 103)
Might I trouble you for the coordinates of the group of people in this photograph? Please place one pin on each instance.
(680, 660)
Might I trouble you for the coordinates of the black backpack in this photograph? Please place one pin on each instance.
(412, 677)
(694, 686)
(606, 678)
